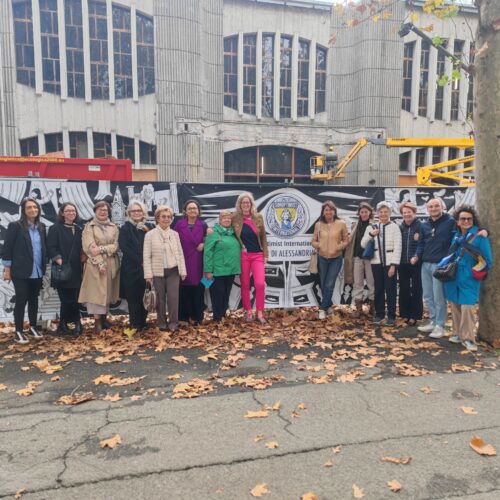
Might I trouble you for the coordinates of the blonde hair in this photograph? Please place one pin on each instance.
(408, 204)
(137, 203)
(241, 197)
(163, 208)
(222, 213)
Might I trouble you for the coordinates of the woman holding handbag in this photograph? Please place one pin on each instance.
(64, 245)
(101, 275)
(132, 284)
(474, 259)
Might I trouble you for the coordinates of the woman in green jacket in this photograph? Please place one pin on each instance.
(221, 262)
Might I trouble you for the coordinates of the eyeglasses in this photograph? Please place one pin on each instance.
(465, 219)
(138, 211)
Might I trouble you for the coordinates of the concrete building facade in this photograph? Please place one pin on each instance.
(227, 90)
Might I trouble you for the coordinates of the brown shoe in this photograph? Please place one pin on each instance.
(371, 311)
(98, 325)
(358, 304)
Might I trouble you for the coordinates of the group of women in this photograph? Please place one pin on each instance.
(178, 264)
(180, 259)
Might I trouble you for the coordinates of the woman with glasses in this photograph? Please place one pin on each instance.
(132, 284)
(64, 244)
(25, 259)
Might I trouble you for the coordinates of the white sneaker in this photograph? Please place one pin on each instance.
(322, 314)
(455, 339)
(428, 328)
(469, 345)
(438, 332)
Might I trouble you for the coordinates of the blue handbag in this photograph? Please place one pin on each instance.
(369, 251)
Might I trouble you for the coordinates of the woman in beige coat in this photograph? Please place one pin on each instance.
(163, 266)
(101, 274)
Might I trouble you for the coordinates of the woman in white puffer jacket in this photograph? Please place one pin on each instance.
(387, 238)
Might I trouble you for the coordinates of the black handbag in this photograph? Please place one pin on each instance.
(447, 272)
(60, 274)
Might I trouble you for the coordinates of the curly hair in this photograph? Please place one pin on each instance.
(241, 197)
(469, 209)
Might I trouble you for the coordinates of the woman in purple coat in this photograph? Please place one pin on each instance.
(192, 231)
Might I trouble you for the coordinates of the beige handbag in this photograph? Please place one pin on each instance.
(149, 299)
(313, 264)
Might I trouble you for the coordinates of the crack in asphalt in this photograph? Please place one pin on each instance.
(461, 495)
(33, 426)
(288, 423)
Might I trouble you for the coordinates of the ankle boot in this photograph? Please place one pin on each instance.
(359, 308)
(371, 311)
(98, 324)
(78, 328)
(105, 323)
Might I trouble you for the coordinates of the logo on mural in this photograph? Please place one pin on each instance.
(286, 216)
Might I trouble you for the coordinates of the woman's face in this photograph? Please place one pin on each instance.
(164, 219)
(408, 215)
(102, 213)
(136, 213)
(364, 214)
(465, 221)
(31, 210)
(328, 213)
(69, 214)
(192, 210)
(225, 221)
(384, 214)
(246, 205)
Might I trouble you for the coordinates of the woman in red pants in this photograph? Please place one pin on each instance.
(249, 228)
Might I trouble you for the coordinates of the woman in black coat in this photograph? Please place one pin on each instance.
(64, 245)
(131, 242)
(25, 260)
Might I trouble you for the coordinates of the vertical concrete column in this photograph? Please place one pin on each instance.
(428, 156)
(276, 74)
(114, 147)
(37, 46)
(445, 154)
(61, 25)
(431, 94)
(258, 76)
(90, 138)
(133, 36)
(312, 79)
(240, 74)
(415, 81)
(66, 146)
(41, 143)
(137, 152)
(111, 50)
(464, 85)
(295, 74)
(412, 161)
(86, 58)
(448, 68)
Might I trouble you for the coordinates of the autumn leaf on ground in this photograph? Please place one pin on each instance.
(301, 406)
(259, 490)
(109, 397)
(113, 357)
(328, 463)
(357, 492)
(272, 445)
(206, 357)
(111, 442)
(397, 460)
(468, 410)
(455, 367)
(116, 381)
(192, 389)
(479, 446)
(277, 406)
(309, 496)
(394, 485)
(259, 437)
(426, 389)
(30, 388)
(19, 493)
(44, 366)
(3, 387)
(75, 399)
(135, 397)
(130, 332)
(180, 359)
(256, 414)
(175, 376)
(55, 378)
(337, 449)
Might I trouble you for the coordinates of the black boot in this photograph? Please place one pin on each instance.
(104, 321)
(63, 329)
(78, 328)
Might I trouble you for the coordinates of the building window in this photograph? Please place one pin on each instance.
(145, 55)
(470, 91)
(455, 84)
(98, 30)
(54, 143)
(407, 75)
(267, 75)
(424, 78)
(147, 153)
(50, 46)
(125, 149)
(102, 145)
(23, 36)
(286, 77)
(231, 72)
(78, 147)
(29, 146)
(303, 79)
(122, 43)
(437, 154)
(320, 79)
(440, 71)
(74, 48)
(420, 158)
(404, 162)
(249, 73)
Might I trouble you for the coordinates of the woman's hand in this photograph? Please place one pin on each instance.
(210, 230)
(6, 273)
(413, 260)
(95, 251)
(209, 276)
(392, 271)
(149, 281)
(200, 247)
(58, 262)
(375, 232)
(183, 277)
(103, 269)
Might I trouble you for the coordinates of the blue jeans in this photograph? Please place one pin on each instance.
(328, 271)
(433, 293)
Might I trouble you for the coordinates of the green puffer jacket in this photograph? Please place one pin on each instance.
(221, 254)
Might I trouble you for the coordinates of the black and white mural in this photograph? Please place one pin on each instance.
(289, 214)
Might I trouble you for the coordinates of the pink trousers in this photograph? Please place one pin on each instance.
(252, 263)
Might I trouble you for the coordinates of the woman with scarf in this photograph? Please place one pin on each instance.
(101, 275)
(249, 228)
(132, 284)
(192, 231)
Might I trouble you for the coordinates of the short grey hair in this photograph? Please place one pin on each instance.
(384, 204)
(137, 203)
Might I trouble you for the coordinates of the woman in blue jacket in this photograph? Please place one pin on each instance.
(463, 291)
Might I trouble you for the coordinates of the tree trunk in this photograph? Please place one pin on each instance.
(487, 138)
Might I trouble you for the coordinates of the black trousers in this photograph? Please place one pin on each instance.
(137, 313)
(191, 302)
(70, 311)
(219, 294)
(385, 291)
(410, 291)
(27, 291)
